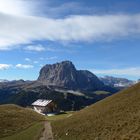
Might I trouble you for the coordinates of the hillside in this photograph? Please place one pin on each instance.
(114, 118)
(66, 100)
(14, 119)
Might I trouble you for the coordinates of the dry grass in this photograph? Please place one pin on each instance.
(32, 133)
(14, 119)
(114, 118)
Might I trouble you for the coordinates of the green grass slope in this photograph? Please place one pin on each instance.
(114, 118)
(15, 120)
(32, 133)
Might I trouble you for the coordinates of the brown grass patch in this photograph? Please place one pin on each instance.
(14, 119)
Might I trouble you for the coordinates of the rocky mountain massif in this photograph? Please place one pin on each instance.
(65, 75)
(71, 89)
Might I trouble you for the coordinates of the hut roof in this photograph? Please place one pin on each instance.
(41, 102)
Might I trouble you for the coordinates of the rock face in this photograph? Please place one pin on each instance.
(117, 82)
(65, 75)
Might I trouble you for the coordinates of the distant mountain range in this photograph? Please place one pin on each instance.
(117, 82)
(3, 80)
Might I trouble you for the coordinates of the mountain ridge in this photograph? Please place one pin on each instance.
(64, 74)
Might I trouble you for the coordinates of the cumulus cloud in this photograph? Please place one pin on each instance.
(5, 66)
(134, 71)
(37, 48)
(25, 29)
(23, 66)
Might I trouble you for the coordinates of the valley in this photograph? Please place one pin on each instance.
(88, 110)
(71, 90)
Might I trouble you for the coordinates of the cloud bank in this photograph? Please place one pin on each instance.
(16, 30)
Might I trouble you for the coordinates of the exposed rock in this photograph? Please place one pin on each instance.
(65, 75)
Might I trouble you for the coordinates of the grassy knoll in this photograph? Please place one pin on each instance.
(16, 121)
(114, 118)
(31, 133)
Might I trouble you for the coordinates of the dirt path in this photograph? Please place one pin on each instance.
(47, 134)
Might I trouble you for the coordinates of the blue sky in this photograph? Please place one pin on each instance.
(102, 36)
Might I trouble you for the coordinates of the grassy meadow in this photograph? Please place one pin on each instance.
(31, 133)
(114, 118)
(17, 123)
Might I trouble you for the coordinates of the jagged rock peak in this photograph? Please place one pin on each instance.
(64, 74)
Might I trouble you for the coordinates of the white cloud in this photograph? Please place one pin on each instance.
(15, 7)
(28, 59)
(25, 29)
(126, 71)
(23, 66)
(36, 62)
(37, 48)
(5, 66)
